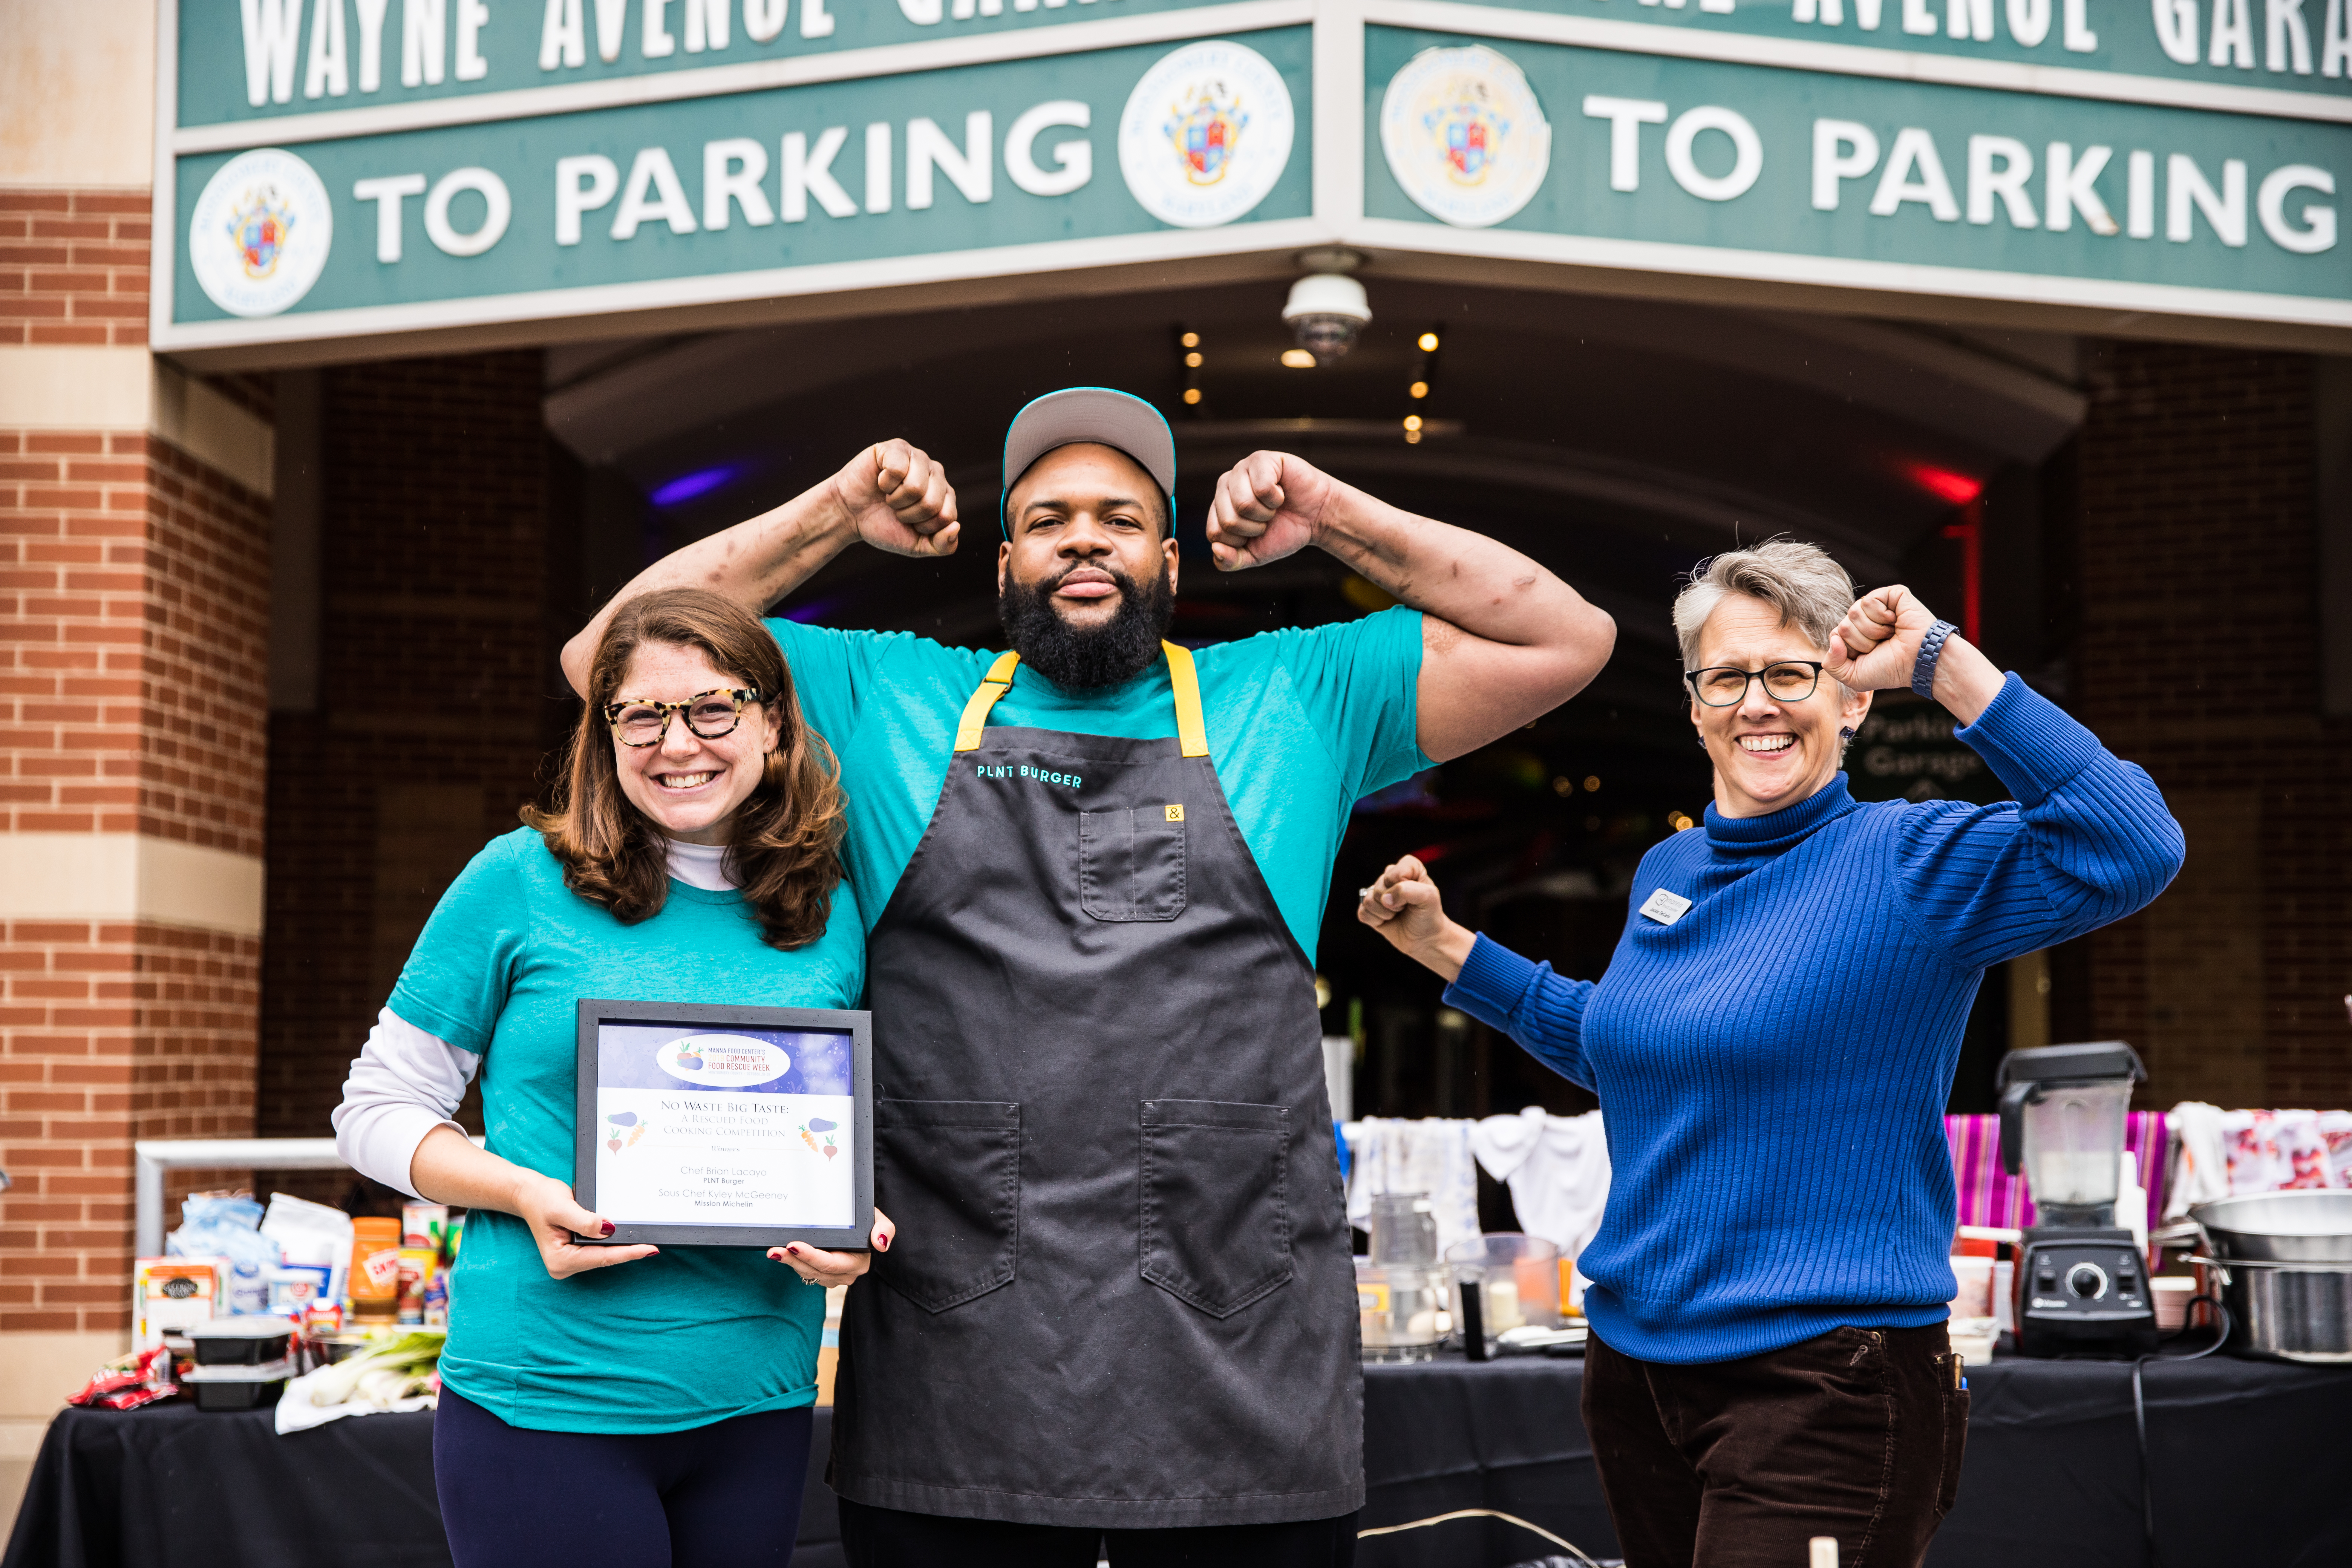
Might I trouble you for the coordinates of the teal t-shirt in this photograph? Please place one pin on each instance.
(1302, 724)
(695, 1334)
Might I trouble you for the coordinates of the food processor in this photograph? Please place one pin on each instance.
(1402, 1301)
(2082, 1283)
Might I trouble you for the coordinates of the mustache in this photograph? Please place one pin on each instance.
(1119, 580)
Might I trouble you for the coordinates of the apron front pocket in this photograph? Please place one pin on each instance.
(1215, 1219)
(947, 1173)
(1131, 863)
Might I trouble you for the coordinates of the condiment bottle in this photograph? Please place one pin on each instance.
(375, 1270)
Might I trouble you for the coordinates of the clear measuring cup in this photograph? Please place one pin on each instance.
(1404, 1228)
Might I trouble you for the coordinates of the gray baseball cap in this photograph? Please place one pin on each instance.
(1095, 414)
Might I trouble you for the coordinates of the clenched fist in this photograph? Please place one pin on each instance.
(899, 499)
(1402, 905)
(1267, 506)
(1876, 644)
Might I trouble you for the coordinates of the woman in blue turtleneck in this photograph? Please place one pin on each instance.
(1773, 1045)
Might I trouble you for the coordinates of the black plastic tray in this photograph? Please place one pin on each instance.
(237, 1395)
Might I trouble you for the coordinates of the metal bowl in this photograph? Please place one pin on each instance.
(2313, 1226)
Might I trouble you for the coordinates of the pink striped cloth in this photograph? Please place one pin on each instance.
(1990, 1195)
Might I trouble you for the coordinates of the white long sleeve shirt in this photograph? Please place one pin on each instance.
(406, 1080)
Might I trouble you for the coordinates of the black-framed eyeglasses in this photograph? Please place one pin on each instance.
(1725, 686)
(641, 721)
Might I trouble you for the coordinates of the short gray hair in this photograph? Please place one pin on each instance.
(1812, 590)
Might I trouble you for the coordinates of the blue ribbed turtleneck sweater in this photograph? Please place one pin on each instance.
(1773, 1065)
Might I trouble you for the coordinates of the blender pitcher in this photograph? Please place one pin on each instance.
(2062, 1119)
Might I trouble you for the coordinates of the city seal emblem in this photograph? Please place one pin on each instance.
(1464, 136)
(1206, 135)
(260, 233)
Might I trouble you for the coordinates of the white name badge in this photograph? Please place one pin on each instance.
(1665, 908)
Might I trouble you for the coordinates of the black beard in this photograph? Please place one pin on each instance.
(1083, 660)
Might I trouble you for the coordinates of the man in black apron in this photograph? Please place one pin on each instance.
(1121, 1303)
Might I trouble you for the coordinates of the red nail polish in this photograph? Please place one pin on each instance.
(883, 1241)
(608, 1228)
(794, 1250)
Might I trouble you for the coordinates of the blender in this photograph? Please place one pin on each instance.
(2082, 1284)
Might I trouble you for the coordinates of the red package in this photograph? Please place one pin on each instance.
(135, 1380)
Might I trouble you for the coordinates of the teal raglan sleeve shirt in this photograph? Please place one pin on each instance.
(696, 1334)
(1773, 1063)
(1302, 723)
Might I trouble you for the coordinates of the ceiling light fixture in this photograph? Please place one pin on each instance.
(686, 486)
(1946, 485)
(1326, 309)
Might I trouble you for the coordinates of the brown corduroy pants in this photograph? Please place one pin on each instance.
(1739, 1464)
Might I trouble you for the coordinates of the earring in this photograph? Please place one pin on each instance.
(1847, 733)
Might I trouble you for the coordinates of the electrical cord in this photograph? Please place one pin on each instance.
(2140, 1411)
(1573, 1549)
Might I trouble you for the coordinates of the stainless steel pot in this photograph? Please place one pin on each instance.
(2314, 1225)
(2284, 1262)
(2287, 1312)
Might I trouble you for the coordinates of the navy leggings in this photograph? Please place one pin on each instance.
(723, 1496)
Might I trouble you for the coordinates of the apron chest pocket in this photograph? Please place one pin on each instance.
(1215, 1219)
(1131, 863)
(947, 1173)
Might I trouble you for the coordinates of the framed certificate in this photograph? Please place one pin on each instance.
(717, 1126)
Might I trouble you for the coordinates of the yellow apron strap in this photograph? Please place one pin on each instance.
(1190, 729)
(993, 685)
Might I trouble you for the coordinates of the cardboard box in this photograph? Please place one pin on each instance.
(168, 1294)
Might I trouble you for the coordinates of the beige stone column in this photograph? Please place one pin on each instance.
(134, 570)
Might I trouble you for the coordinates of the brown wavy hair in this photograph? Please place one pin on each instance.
(785, 853)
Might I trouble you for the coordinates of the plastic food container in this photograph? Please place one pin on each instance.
(1518, 1276)
(1975, 1277)
(239, 1341)
(236, 1387)
(1402, 1310)
(2171, 1293)
(1972, 1339)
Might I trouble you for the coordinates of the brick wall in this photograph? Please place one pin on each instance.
(109, 1033)
(434, 696)
(134, 591)
(137, 586)
(73, 266)
(2198, 656)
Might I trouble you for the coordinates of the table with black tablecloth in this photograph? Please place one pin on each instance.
(2248, 1459)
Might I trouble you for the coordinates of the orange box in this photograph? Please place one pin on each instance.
(168, 1294)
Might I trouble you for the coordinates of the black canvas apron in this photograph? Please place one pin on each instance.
(1120, 1295)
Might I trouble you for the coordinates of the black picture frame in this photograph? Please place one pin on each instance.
(594, 1013)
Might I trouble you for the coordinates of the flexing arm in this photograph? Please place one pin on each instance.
(2088, 840)
(891, 495)
(1542, 1012)
(1503, 640)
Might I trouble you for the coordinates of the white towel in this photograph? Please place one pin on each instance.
(2200, 1157)
(1432, 1156)
(2336, 1129)
(1557, 1168)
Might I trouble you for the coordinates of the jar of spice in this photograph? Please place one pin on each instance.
(375, 1270)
